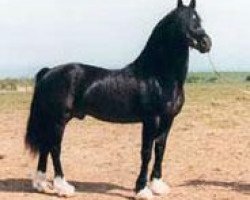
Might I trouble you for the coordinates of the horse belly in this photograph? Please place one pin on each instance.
(113, 107)
(112, 112)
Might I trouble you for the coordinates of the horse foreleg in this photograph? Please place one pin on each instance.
(157, 185)
(149, 128)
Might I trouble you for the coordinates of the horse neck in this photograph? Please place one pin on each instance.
(165, 58)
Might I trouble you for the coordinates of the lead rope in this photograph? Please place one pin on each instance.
(219, 75)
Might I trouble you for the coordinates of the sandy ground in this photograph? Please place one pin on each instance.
(207, 158)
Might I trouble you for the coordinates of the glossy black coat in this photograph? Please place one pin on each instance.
(148, 90)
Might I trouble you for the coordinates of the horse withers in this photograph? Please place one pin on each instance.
(149, 90)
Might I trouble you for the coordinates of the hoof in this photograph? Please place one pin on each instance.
(63, 188)
(144, 194)
(158, 187)
(40, 184)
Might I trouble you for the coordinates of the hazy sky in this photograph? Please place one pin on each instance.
(111, 33)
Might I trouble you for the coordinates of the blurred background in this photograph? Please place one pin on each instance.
(111, 33)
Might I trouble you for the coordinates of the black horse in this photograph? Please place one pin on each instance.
(149, 90)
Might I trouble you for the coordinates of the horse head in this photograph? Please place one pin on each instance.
(189, 24)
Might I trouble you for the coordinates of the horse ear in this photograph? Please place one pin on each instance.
(192, 4)
(180, 3)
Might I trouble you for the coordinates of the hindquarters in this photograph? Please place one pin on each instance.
(52, 106)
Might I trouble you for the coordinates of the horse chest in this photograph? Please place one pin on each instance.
(174, 101)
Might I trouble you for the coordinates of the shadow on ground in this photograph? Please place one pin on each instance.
(236, 186)
(24, 186)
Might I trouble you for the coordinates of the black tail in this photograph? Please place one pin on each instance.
(33, 139)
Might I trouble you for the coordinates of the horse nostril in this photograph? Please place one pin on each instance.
(205, 42)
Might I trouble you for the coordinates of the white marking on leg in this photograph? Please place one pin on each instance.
(144, 194)
(40, 183)
(158, 187)
(63, 188)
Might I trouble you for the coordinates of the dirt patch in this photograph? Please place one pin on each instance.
(207, 153)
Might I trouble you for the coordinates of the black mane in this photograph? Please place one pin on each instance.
(165, 54)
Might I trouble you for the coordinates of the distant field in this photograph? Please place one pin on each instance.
(26, 84)
(207, 154)
(222, 77)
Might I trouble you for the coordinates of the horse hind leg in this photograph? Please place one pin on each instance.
(50, 143)
(52, 126)
(40, 182)
(60, 185)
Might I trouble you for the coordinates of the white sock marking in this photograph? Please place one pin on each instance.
(63, 188)
(158, 187)
(39, 182)
(144, 194)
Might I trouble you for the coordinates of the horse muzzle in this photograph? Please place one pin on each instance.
(205, 44)
(201, 43)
